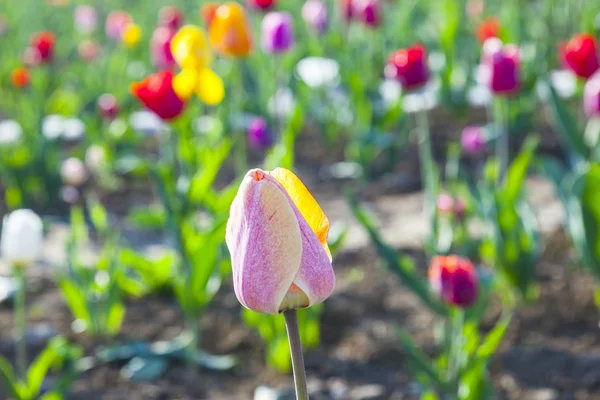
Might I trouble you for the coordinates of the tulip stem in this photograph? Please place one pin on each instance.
(20, 323)
(427, 165)
(502, 139)
(291, 323)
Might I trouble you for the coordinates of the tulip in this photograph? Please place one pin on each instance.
(20, 77)
(193, 54)
(10, 132)
(445, 205)
(347, 9)
(157, 94)
(277, 237)
(132, 34)
(316, 15)
(490, 28)
(85, 19)
(88, 50)
(229, 31)
(21, 237)
(368, 12)
(44, 43)
(277, 32)
(115, 24)
(160, 48)
(472, 140)
(259, 135)
(591, 96)
(261, 4)
(454, 279)
(171, 17)
(504, 70)
(208, 12)
(108, 107)
(95, 157)
(580, 55)
(73, 172)
(409, 67)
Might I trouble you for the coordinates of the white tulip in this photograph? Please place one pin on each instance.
(21, 237)
(10, 132)
(73, 172)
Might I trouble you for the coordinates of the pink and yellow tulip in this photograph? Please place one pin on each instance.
(277, 237)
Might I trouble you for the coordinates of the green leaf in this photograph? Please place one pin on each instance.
(8, 379)
(518, 171)
(282, 154)
(144, 369)
(98, 215)
(279, 355)
(39, 369)
(212, 159)
(153, 217)
(115, 318)
(75, 300)
(494, 338)
(590, 201)
(52, 396)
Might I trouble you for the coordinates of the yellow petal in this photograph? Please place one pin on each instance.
(305, 202)
(190, 48)
(185, 83)
(132, 35)
(210, 89)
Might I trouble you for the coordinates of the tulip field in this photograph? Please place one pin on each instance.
(300, 199)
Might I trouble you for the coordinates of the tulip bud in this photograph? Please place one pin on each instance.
(504, 70)
(115, 24)
(73, 172)
(277, 237)
(229, 31)
(21, 237)
(316, 15)
(472, 140)
(44, 43)
(368, 12)
(277, 32)
(591, 96)
(261, 4)
(454, 280)
(171, 17)
(88, 50)
(20, 77)
(259, 135)
(85, 19)
(409, 67)
(490, 28)
(160, 48)
(108, 107)
(580, 55)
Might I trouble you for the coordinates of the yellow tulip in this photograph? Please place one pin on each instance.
(190, 48)
(132, 35)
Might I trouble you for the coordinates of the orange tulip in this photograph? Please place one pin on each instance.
(229, 31)
(20, 77)
(208, 12)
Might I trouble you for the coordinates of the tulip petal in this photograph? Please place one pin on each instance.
(190, 48)
(264, 239)
(185, 83)
(210, 87)
(306, 203)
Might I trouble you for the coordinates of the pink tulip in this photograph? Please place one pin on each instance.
(115, 24)
(160, 48)
(277, 237)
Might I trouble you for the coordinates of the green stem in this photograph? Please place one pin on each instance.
(191, 325)
(236, 106)
(457, 320)
(427, 165)
(291, 323)
(502, 139)
(21, 323)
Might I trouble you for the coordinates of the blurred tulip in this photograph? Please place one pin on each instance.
(454, 279)
(208, 12)
(261, 4)
(171, 17)
(44, 43)
(229, 31)
(193, 54)
(409, 67)
(318, 71)
(472, 140)
(157, 94)
(277, 32)
(73, 172)
(132, 35)
(108, 107)
(316, 15)
(347, 9)
(88, 50)
(85, 19)
(259, 135)
(460, 209)
(445, 205)
(20, 77)
(368, 12)
(95, 157)
(277, 238)
(591, 96)
(580, 55)
(160, 48)
(10, 132)
(504, 71)
(115, 24)
(490, 28)
(22, 236)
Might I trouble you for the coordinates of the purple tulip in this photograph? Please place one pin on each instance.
(591, 96)
(316, 15)
(472, 140)
(86, 19)
(259, 135)
(505, 70)
(277, 32)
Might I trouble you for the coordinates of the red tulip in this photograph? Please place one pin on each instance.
(489, 28)
(171, 17)
(454, 280)
(409, 67)
(160, 48)
(261, 4)
(157, 94)
(580, 55)
(43, 43)
(505, 72)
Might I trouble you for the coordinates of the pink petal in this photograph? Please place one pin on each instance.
(265, 243)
